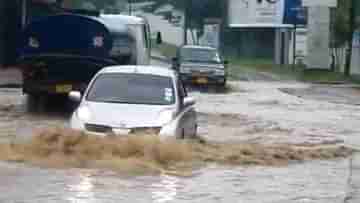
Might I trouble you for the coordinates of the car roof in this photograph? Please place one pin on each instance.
(198, 47)
(122, 19)
(146, 70)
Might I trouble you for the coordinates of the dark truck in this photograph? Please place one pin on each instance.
(62, 52)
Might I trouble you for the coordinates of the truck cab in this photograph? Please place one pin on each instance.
(62, 52)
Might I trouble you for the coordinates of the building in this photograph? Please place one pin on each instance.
(260, 29)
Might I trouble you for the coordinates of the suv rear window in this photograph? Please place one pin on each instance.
(200, 55)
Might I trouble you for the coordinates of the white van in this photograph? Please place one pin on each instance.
(131, 36)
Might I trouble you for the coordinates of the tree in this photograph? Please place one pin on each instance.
(341, 23)
(344, 28)
(350, 36)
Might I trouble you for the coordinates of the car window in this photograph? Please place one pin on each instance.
(200, 55)
(132, 89)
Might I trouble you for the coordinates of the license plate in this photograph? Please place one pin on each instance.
(202, 81)
(121, 131)
(63, 88)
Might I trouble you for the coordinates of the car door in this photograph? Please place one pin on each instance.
(188, 119)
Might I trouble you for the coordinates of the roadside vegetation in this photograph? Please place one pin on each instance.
(239, 67)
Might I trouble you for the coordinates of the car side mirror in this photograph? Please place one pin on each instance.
(159, 38)
(189, 101)
(75, 96)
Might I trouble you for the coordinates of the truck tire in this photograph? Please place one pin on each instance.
(32, 101)
(35, 103)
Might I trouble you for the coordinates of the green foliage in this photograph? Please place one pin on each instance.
(341, 24)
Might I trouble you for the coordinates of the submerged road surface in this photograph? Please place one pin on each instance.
(254, 112)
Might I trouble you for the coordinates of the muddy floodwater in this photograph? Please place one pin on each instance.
(271, 113)
(317, 182)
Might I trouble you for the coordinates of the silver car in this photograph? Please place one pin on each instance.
(125, 100)
(201, 65)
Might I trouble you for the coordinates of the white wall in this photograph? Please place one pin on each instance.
(245, 12)
(355, 63)
(318, 38)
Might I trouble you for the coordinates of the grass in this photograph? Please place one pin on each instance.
(265, 67)
(285, 72)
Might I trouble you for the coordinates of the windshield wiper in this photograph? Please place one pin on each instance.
(202, 61)
(116, 101)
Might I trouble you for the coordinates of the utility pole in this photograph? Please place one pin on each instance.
(130, 7)
(186, 20)
(294, 46)
(23, 13)
(350, 38)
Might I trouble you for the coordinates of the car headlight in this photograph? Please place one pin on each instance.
(166, 116)
(185, 70)
(83, 113)
(220, 72)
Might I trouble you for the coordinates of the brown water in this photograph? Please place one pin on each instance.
(146, 154)
(315, 182)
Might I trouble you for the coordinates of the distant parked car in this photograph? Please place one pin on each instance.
(201, 65)
(135, 99)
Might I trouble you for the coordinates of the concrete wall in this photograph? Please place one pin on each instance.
(318, 38)
(355, 63)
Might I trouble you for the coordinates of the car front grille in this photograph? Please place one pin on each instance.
(98, 128)
(203, 72)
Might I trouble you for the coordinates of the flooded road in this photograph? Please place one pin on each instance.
(250, 112)
(315, 182)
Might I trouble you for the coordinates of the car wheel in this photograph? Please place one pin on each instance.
(195, 131)
(221, 87)
(35, 103)
(183, 136)
(223, 84)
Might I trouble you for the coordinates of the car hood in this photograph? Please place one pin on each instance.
(125, 115)
(201, 65)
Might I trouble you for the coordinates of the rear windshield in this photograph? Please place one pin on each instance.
(200, 55)
(132, 89)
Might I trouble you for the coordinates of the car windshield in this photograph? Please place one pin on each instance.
(132, 89)
(200, 55)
